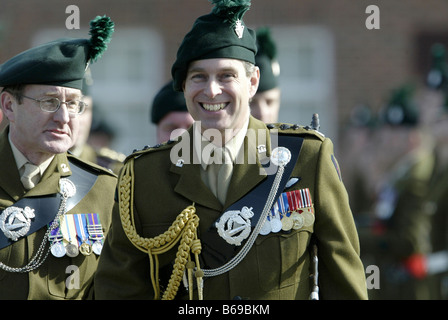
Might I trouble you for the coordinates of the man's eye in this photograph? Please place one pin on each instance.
(198, 76)
(227, 76)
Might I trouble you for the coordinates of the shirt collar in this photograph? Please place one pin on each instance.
(205, 149)
(21, 159)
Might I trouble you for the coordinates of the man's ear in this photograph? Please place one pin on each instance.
(254, 81)
(7, 101)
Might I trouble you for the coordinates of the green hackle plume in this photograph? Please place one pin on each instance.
(230, 10)
(266, 44)
(101, 29)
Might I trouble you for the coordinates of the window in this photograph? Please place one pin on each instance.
(306, 58)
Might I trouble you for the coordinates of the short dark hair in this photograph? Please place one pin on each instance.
(16, 90)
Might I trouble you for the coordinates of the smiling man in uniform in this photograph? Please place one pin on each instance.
(190, 224)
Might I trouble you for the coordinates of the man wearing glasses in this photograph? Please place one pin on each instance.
(54, 208)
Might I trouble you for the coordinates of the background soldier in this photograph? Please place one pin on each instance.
(169, 112)
(400, 233)
(265, 105)
(101, 154)
(62, 202)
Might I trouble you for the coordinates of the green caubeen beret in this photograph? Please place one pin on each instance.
(401, 109)
(219, 34)
(61, 62)
(266, 60)
(166, 101)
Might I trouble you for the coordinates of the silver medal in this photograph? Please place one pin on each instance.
(58, 249)
(97, 246)
(265, 228)
(276, 225)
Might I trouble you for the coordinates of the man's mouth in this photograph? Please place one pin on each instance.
(213, 106)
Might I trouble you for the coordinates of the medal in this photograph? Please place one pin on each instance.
(297, 220)
(308, 217)
(276, 225)
(266, 228)
(287, 223)
(85, 249)
(275, 222)
(57, 248)
(95, 232)
(71, 250)
(81, 232)
(294, 205)
(97, 246)
(283, 206)
(68, 231)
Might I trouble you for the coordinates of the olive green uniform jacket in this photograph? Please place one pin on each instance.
(278, 264)
(404, 230)
(49, 280)
(437, 208)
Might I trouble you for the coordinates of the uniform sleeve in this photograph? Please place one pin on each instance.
(341, 272)
(123, 270)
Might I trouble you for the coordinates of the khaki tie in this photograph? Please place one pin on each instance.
(224, 174)
(27, 177)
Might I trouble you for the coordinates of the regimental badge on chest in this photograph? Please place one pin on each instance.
(15, 222)
(234, 226)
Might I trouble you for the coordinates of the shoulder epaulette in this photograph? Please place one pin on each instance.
(147, 149)
(89, 165)
(296, 129)
(111, 154)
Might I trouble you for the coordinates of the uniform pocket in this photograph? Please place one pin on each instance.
(283, 259)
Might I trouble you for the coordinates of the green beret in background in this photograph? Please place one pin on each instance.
(219, 34)
(61, 62)
(401, 109)
(266, 60)
(165, 101)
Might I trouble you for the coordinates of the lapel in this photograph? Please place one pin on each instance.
(250, 173)
(10, 179)
(245, 176)
(190, 184)
(49, 183)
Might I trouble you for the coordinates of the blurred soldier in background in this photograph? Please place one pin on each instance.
(359, 152)
(435, 101)
(169, 112)
(265, 105)
(400, 232)
(101, 155)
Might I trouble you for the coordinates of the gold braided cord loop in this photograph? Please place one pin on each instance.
(183, 229)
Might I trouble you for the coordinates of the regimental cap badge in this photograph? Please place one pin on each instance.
(232, 11)
(239, 29)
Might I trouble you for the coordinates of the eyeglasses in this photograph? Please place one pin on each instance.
(74, 107)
